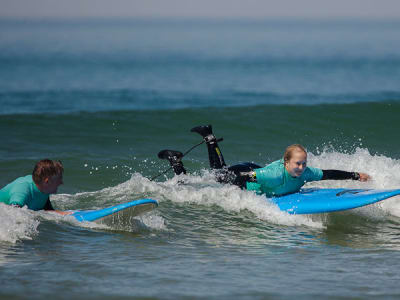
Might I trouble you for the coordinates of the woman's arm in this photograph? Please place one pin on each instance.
(343, 175)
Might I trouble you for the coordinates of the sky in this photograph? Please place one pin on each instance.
(380, 9)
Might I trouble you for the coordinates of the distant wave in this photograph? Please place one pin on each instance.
(70, 101)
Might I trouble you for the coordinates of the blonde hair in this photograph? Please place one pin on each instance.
(289, 151)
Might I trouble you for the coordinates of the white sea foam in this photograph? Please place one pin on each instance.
(17, 223)
(204, 190)
(384, 171)
(127, 191)
(201, 190)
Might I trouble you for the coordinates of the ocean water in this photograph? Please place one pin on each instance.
(105, 96)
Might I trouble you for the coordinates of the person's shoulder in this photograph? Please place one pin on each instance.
(269, 166)
(312, 173)
(26, 178)
(272, 172)
(22, 183)
(275, 164)
(312, 169)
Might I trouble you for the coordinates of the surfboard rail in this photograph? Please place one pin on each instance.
(319, 200)
(131, 208)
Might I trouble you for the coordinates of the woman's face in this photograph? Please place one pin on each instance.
(297, 163)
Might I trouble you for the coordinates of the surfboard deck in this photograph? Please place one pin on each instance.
(116, 213)
(314, 200)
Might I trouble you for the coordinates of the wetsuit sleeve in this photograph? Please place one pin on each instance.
(313, 174)
(339, 175)
(19, 195)
(48, 205)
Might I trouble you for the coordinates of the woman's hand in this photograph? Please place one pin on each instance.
(364, 177)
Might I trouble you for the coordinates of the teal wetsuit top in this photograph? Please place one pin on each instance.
(23, 191)
(274, 179)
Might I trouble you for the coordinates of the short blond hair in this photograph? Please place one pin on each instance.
(292, 148)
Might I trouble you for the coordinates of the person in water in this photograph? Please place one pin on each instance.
(34, 190)
(281, 177)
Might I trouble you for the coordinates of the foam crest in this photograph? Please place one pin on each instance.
(204, 190)
(385, 173)
(137, 187)
(17, 224)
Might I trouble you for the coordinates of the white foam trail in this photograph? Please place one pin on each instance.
(124, 192)
(17, 223)
(204, 190)
(385, 173)
(153, 221)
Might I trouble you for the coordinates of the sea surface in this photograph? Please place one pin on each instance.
(104, 96)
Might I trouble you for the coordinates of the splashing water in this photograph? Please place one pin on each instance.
(202, 190)
(17, 224)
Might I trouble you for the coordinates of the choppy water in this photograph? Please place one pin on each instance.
(105, 96)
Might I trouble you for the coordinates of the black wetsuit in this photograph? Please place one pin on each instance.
(237, 174)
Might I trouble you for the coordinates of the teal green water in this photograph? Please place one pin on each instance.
(106, 96)
(132, 139)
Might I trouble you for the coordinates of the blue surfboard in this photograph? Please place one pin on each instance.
(313, 201)
(116, 213)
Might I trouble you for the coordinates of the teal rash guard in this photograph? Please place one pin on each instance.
(274, 179)
(23, 191)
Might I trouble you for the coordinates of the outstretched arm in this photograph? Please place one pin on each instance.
(343, 175)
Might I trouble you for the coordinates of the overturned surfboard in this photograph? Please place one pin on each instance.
(116, 213)
(313, 200)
